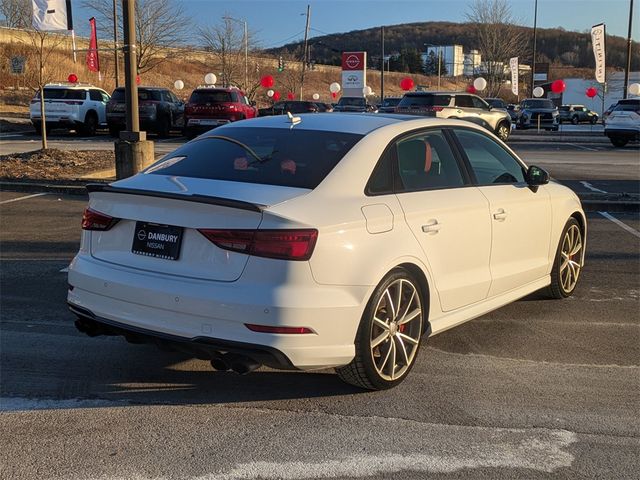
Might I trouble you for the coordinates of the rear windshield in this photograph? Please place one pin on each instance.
(538, 103)
(352, 102)
(63, 94)
(425, 100)
(627, 106)
(215, 96)
(270, 156)
(143, 95)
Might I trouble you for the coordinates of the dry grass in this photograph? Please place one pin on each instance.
(53, 164)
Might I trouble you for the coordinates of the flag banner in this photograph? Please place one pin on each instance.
(598, 41)
(93, 60)
(52, 15)
(513, 64)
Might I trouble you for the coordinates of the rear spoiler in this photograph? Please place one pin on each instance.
(223, 202)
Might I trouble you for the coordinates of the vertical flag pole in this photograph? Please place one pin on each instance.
(73, 45)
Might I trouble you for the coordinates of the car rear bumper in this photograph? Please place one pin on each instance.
(196, 311)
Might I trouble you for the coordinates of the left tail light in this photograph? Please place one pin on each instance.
(280, 244)
(92, 220)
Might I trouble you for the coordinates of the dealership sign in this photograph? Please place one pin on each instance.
(354, 73)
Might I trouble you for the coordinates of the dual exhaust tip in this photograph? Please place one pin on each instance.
(240, 364)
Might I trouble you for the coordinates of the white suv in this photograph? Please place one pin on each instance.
(80, 107)
(623, 124)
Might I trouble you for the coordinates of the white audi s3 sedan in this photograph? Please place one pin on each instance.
(319, 241)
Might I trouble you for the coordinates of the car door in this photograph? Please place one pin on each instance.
(447, 215)
(520, 215)
(486, 117)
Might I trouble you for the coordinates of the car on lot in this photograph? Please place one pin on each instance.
(538, 112)
(389, 105)
(623, 124)
(291, 106)
(76, 106)
(457, 105)
(316, 241)
(353, 104)
(324, 107)
(210, 107)
(577, 114)
(159, 110)
(496, 103)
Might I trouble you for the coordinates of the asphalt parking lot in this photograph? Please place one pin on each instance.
(538, 389)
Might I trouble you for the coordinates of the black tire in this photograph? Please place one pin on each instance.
(593, 120)
(38, 128)
(114, 131)
(189, 133)
(90, 125)
(619, 142)
(575, 120)
(363, 371)
(562, 282)
(503, 131)
(164, 127)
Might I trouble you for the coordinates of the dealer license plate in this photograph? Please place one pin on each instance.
(154, 240)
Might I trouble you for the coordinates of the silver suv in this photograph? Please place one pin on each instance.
(77, 106)
(464, 106)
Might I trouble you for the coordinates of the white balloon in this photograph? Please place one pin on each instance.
(270, 93)
(210, 79)
(480, 84)
(316, 96)
(538, 92)
(634, 89)
(178, 84)
(334, 87)
(366, 90)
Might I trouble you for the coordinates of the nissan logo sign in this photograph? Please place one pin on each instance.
(352, 61)
(142, 235)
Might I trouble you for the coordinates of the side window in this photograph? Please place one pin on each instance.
(95, 95)
(491, 163)
(426, 161)
(381, 181)
(173, 98)
(464, 101)
(166, 96)
(105, 97)
(478, 103)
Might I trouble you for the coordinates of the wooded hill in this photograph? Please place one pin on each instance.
(555, 45)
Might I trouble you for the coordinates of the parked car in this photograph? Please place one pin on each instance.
(210, 107)
(577, 114)
(353, 104)
(337, 240)
(324, 107)
(291, 106)
(514, 111)
(464, 106)
(159, 110)
(389, 105)
(76, 106)
(536, 112)
(623, 125)
(496, 103)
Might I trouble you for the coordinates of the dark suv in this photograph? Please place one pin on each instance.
(209, 107)
(464, 106)
(354, 104)
(159, 109)
(538, 111)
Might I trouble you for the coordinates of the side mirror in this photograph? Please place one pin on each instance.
(536, 176)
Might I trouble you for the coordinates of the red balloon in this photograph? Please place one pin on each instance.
(471, 89)
(591, 92)
(73, 78)
(267, 81)
(276, 96)
(558, 86)
(334, 94)
(138, 80)
(406, 83)
(291, 96)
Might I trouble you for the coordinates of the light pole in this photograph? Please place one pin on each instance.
(535, 38)
(439, 59)
(626, 71)
(246, 50)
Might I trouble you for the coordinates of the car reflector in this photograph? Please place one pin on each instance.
(284, 330)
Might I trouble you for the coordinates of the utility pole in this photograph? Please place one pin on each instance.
(115, 40)
(133, 151)
(628, 69)
(304, 55)
(246, 57)
(381, 64)
(535, 38)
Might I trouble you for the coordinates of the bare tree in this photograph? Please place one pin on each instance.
(226, 42)
(17, 13)
(498, 38)
(161, 28)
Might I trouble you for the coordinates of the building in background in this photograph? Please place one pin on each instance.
(452, 58)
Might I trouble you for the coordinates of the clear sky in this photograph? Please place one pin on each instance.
(277, 22)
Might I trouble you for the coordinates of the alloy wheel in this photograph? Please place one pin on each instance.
(570, 257)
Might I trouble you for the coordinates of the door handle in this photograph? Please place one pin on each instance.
(500, 215)
(432, 227)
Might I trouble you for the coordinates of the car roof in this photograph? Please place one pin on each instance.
(144, 87)
(76, 86)
(355, 123)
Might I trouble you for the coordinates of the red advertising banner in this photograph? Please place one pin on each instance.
(93, 61)
(353, 60)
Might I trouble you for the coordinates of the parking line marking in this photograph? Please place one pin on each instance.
(622, 225)
(583, 147)
(23, 198)
(591, 187)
